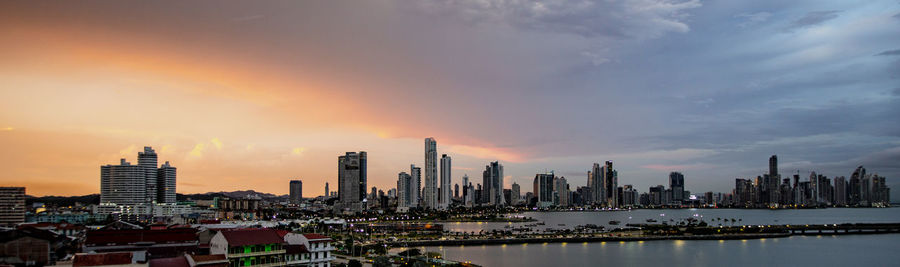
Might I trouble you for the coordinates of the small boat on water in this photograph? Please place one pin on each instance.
(562, 224)
(651, 220)
(614, 222)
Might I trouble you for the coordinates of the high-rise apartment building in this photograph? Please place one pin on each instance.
(492, 179)
(516, 194)
(144, 183)
(165, 183)
(561, 190)
(405, 190)
(430, 193)
(12, 205)
(543, 189)
(415, 194)
(445, 198)
(296, 192)
(148, 160)
(123, 184)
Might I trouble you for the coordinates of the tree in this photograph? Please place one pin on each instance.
(354, 263)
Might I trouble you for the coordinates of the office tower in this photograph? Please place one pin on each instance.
(12, 205)
(610, 182)
(165, 183)
(543, 189)
(629, 196)
(880, 192)
(148, 160)
(352, 178)
(840, 191)
(561, 189)
(445, 182)
(404, 190)
(516, 194)
(327, 194)
(772, 183)
(773, 166)
(430, 193)
(855, 183)
(123, 184)
(416, 191)
(676, 184)
(492, 177)
(656, 195)
(296, 192)
(598, 192)
(466, 192)
(455, 191)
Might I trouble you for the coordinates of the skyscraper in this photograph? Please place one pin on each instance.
(676, 183)
(516, 194)
(445, 199)
(405, 190)
(543, 189)
(561, 189)
(598, 193)
(123, 184)
(296, 192)
(148, 160)
(492, 177)
(352, 179)
(610, 180)
(165, 183)
(430, 193)
(415, 193)
(127, 184)
(327, 194)
(12, 205)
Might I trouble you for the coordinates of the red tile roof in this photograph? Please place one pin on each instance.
(313, 238)
(282, 233)
(204, 258)
(243, 237)
(179, 261)
(295, 249)
(122, 237)
(113, 258)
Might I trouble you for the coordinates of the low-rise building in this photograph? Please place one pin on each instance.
(163, 243)
(249, 247)
(309, 250)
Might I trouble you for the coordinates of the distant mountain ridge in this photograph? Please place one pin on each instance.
(95, 198)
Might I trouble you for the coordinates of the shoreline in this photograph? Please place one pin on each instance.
(539, 240)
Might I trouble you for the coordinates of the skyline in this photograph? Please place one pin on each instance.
(252, 96)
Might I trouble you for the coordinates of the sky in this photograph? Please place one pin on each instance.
(249, 95)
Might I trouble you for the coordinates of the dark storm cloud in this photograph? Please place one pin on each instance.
(813, 18)
(895, 52)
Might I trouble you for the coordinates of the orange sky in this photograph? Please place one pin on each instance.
(77, 98)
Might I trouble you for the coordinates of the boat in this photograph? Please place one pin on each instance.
(651, 220)
(614, 222)
(562, 224)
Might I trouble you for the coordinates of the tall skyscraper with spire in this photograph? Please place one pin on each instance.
(429, 194)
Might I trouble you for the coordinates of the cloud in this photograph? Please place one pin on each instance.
(895, 52)
(677, 167)
(248, 18)
(750, 19)
(198, 150)
(216, 143)
(639, 19)
(813, 18)
(896, 91)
